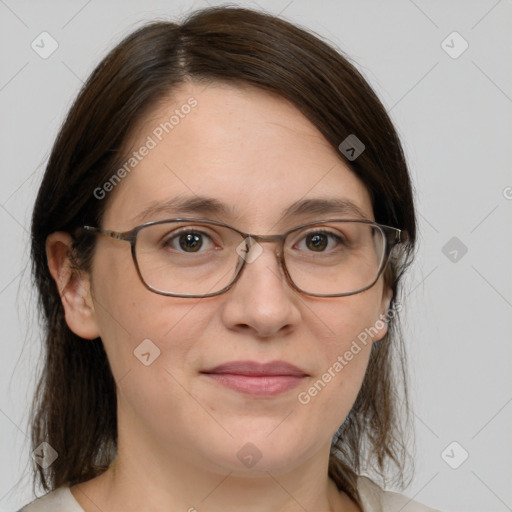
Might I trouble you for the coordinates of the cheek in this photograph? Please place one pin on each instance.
(342, 322)
(342, 348)
(139, 326)
(330, 394)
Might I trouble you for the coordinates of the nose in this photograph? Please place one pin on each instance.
(261, 301)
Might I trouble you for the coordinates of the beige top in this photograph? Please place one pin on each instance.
(374, 499)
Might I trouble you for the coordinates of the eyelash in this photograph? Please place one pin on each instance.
(175, 236)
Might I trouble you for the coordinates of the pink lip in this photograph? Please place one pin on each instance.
(257, 379)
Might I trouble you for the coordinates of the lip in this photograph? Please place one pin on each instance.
(257, 379)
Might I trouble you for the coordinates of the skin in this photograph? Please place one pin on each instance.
(179, 432)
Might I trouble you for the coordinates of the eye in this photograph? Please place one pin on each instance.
(187, 240)
(320, 240)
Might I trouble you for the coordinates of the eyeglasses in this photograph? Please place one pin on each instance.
(201, 258)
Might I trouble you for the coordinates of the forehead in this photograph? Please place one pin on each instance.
(250, 152)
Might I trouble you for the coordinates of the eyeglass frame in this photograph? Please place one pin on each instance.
(401, 237)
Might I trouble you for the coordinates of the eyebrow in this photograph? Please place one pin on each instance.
(183, 205)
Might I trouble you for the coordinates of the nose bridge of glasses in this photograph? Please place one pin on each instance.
(251, 249)
(266, 238)
(276, 239)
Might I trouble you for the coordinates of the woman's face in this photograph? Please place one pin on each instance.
(256, 154)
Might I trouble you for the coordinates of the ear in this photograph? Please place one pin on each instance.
(381, 326)
(73, 285)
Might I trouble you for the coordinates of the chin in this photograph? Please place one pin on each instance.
(258, 455)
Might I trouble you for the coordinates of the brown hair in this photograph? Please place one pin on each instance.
(74, 408)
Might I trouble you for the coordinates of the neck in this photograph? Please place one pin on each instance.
(184, 485)
(152, 475)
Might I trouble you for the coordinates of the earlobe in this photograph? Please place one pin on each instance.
(73, 286)
(386, 301)
(381, 326)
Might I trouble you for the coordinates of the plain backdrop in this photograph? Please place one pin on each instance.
(452, 106)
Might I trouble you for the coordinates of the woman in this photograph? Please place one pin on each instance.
(191, 366)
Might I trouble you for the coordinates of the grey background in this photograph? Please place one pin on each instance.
(453, 115)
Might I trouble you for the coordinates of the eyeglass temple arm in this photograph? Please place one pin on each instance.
(116, 235)
(402, 236)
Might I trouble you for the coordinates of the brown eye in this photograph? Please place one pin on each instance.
(187, 241)
(190, 242)
(320, 241)
(317, 242)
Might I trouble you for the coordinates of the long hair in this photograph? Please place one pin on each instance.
(74, 408)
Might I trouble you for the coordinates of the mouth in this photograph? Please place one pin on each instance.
(257, 379)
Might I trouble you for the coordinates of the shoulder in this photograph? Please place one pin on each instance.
(58, 500)
(375, 499)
